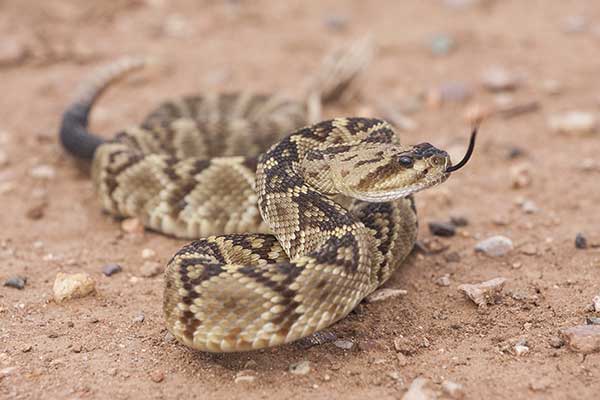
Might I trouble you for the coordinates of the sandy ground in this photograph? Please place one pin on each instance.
(98, 347)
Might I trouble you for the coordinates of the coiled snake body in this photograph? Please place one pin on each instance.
(329, 205)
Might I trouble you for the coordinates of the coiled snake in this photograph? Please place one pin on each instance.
(329, 206)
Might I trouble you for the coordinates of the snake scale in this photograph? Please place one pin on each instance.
(329, 205)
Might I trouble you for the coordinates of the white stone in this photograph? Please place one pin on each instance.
(485, 292)
(574, 122)
(495, 246)
(419, 390)
(71, 286)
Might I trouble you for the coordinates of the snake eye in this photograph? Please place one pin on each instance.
(406, 161)
(437, 160)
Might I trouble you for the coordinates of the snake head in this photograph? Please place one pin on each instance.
(377, 172)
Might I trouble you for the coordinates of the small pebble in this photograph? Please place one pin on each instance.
(71, 286)
(581, 241)
(452, 257)
(404, 346)
(169, 338)
(529, 250)
(443, 229)
(484, 293)
(520, 176)
(515, 152)
(420, 390)
(495, 246)
(521, 350)
(139, 318)
(37, 211)
(552, 87)
(336, 22)
(300, 368)
(596, 303)
(453, 389)
(529, 207)
(385, 294)
(157, 376)
(574, 123)
(11, 52)
(556, 342)
(43, 171)
(245, 376)
(583, 338)
(443, 280)
(459, 220)
(498, 79)
(17, 282)
(26, 348)
(441, 44)
(151, 269)
(454, 92)
(148, 253)
(111, 269)
(132, 225)
(343, 344)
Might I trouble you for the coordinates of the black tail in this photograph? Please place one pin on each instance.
(74, 134)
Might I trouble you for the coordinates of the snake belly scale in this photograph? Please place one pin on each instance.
(328, 206)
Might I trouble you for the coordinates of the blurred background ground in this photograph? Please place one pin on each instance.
(534, 179)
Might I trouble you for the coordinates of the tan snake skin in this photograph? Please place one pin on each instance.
(329, 206)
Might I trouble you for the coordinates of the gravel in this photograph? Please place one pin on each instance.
(495, 246)
(574, 123)
(17, 282)
(497, 78)
(300, 368)
(453, 389)
(151, 269)
(420, 390)
(343, 344)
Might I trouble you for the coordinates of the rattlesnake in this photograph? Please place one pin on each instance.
(329, 206)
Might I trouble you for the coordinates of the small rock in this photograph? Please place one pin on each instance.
(17, 282)
(443, 280)
(459, 220)
(432, 246)
(520, 176)
(111, 269)
(169, 338)
(157, 376)
(148, 253)
(575, 24)
(385, 294)
(453, 389)
(498, 79)
(583, 338)
(71, 286)
(132, 225)
(552, 87)
(245, 376)
(343, 344)
(404, 346)
(452, 257)
(139, 318)
(150, 269)
(592, 321)
(300, 368)
(529, 250)
(521, 348)
(454, 92)
(26, 348)
(485, 292)
(441, 44)
(43, 171)
(77, 348)
(11, 52)
(556, 342)
(574, 123)
(596, 303)
(317, 339)
(581, 241)
(495, 246)
(336, 22)
(442, 229)
(419, 390)
(112, 371)
(4, 372)
(515, 152)
(37, 211)
(529, 207)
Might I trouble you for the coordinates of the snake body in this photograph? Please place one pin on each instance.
(329, 206)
